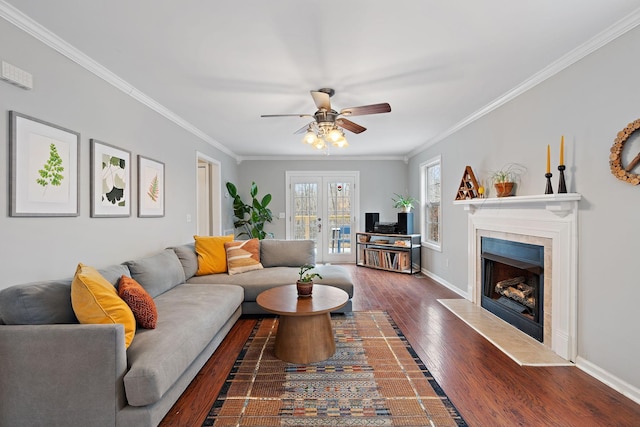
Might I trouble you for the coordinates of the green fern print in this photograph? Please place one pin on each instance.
(154, 189)
(51, 172)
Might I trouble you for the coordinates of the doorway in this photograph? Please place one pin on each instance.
(208, 216)
(323, 206)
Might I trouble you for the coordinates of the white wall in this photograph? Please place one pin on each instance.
(378, 181)
(66, 94)
(589, 103)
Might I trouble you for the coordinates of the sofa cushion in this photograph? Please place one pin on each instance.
(157, 273)
(188, 258)
(243, 256)
(257, 281)
(96, 301)
(114, 272)
(38, 303)
(287, 253)
(189, 317)
(139, 301)
(212, 257)
(47, 302)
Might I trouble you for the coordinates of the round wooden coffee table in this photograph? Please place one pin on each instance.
(304, 328)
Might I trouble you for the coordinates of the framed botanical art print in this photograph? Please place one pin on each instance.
(150, 188)
(43, 168)
(110, 180)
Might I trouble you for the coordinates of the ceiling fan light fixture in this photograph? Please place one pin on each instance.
(320, 144)
(310, 137)
(341, 143)
(335, 134)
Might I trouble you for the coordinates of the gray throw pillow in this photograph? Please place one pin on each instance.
(287, 253)
(188, 258)
(158, 273)
(38, 303)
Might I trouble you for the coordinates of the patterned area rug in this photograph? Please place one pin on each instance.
(374, 379)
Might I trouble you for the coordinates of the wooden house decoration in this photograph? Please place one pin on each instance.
(468, 188)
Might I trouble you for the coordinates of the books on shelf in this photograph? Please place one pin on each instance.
(392, 252)
(390, 260)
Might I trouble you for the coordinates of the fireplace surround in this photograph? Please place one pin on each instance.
(549, 221)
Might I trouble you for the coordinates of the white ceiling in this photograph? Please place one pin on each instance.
(219, 65)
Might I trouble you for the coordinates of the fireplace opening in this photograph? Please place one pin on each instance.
(513, 283)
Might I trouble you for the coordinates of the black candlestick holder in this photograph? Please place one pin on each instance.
(562, 186)
(549, 189)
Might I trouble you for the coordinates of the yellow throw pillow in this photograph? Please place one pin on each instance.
(212, 257)
(243, 256)
(95, 300)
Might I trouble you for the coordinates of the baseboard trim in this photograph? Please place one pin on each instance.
(446, 284)
(588, 367)
(607, 378)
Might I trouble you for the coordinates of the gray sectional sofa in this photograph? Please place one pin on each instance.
(57, 372)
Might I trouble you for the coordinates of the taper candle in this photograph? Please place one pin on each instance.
(548, 158)
(562, 150)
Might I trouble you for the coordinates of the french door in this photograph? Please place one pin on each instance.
(323, 206)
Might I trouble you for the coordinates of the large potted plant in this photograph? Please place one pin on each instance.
(257, 211)
(404, 203)
(304, 285)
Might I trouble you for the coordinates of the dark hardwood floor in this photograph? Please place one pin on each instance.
(486, 386)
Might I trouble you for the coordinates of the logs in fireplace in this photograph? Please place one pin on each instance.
(517, 290)
(512, 283)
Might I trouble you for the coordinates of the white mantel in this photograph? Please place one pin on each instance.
(549, 216)
(560, 204)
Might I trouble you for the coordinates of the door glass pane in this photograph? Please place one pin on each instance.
(339, 221)
(305, 211)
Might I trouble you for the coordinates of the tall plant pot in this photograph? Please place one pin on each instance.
(503, 189)
(304, 289)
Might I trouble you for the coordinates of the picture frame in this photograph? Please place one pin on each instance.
(150, 188)
(43, 168)
(110, 180)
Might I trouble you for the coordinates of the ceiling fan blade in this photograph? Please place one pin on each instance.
(366, 109)
(350, 126)
(286, 115)
(321, 99)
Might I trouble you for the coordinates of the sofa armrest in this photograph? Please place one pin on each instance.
(61, 374)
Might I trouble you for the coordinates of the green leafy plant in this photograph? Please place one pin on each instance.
(508, 173)
(308, 277)
(257, 211)
(403, 201)
(154, 189)
(51, 172)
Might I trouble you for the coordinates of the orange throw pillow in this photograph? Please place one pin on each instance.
(141, 304)
(243, 256)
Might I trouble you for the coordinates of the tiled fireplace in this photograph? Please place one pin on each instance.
(549, 223)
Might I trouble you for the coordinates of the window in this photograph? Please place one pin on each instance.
(431, 228)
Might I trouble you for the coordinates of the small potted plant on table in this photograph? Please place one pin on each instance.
(304, 285)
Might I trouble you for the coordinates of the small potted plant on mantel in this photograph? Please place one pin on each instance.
(505, 178)
(404, 203)
(304, 285)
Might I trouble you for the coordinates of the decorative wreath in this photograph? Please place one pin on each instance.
(615, 158)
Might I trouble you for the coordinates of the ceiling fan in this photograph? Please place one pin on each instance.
(328, 123)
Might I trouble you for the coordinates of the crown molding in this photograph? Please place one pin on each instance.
(603, 38)
(39, 32)
(323, 157)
